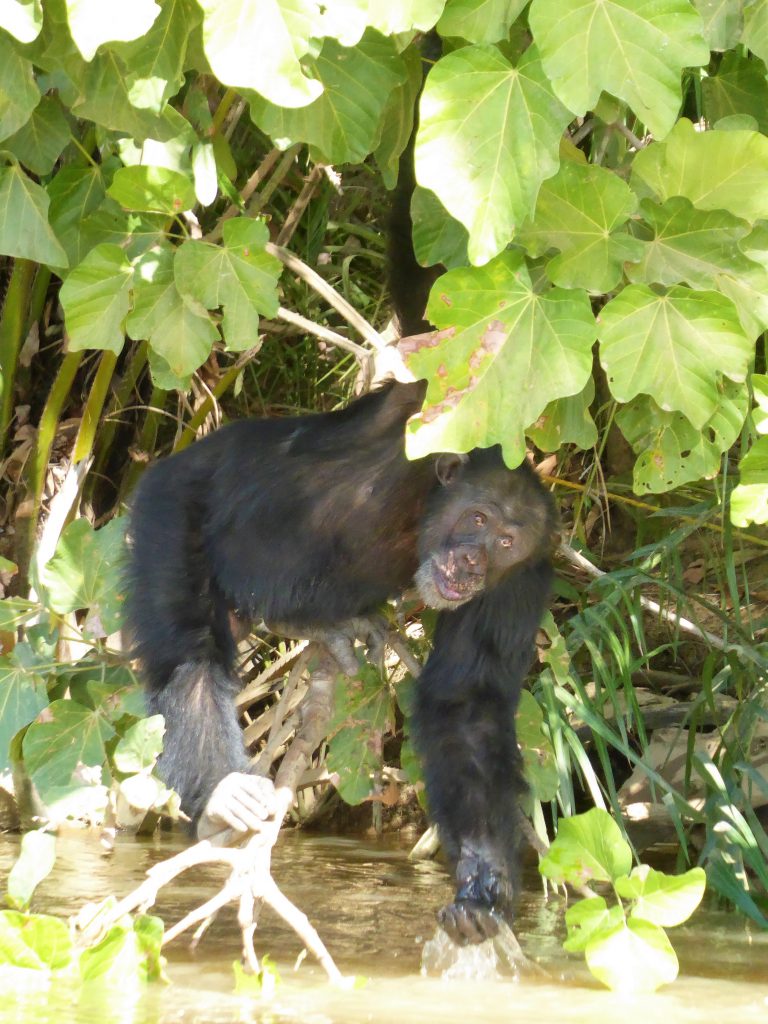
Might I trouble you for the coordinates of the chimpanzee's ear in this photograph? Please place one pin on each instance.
(448, 467)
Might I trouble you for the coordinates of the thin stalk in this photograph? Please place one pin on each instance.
(121, 398)
(13, 324)
(86, 435)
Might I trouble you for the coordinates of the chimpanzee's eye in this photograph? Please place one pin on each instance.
(480, 519)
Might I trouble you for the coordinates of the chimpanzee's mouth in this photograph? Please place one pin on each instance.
(453, 587)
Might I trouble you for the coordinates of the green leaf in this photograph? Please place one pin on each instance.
(155, 61)
(486, 160)
(149, 935)
(238, 275)
(35, 862)
(74, 192)
(672, 347)
(760, 390)
(662, 899)
(739, 87)
(671, 451)
(402, 15)
(587, 918)
(23, 19)
(581, 212)
(539, 765)
(71, 735)
(38, 144)
(105, 97)
(566, 421)
(479, 21)
(589, 847)
(396, 121)
(93, 22)
(86, 571)
(363, 713)
(257, 44)
(749, 501)
(96, 299)
(715, 170)
(14, 611)
(24, 228)
(19, 95)
(180, 332)
(115, 963)
(502, 338)
(22, 698)
(141, 746)
(437, 237)
(631, 958)
(342, 124)
(686, 244)
(755, 34)
(634, 49)
(35, 941)
(154, 189)
(722, 22)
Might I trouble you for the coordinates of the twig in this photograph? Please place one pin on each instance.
(324, 333)
(628, 134)
(294, 214)
(328, 292)
(577, 559)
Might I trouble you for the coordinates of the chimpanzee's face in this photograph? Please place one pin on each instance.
(484, 522)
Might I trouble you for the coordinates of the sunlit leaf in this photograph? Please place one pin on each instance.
(506, 352)
(479, 21)
(342, 124)
(149, 188)
(715, 170)
(749, 501)
(588, 847)
(140, 747)
(486, 160)
(237, 275)
(19, 95)
(34, 941)
(96, 299)
(70, 735)
(93, 22)
(566, 421)
(23, 19)
(588, 917)
(257, 44)
(632, 957)
(22, 697)
(672, 347)
(670, 450)
(722, 22)
(24, 228)
(755, 34)
(662, 899)
(34, 863)
(634, 49)
(86, 571)
(582, 211)
(181, 333)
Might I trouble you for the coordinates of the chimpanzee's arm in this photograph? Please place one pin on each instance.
(467, 697)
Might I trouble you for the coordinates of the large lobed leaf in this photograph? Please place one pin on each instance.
(486, 158)
(497, 329)
(633, 49)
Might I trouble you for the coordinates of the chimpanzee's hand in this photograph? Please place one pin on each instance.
(239, 802)
(482, 899)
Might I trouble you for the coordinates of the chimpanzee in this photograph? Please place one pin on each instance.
(316, 520)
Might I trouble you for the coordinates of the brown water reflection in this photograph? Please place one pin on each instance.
(374, 910)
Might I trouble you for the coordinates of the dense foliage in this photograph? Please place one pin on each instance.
(594, 179)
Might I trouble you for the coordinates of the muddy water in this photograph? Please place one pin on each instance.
(374, 911)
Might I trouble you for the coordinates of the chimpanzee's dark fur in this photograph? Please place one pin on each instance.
(313, 520)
